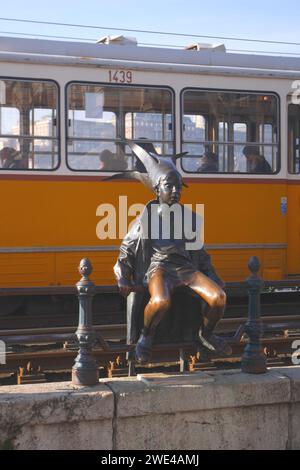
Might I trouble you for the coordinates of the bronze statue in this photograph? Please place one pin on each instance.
(163, 263)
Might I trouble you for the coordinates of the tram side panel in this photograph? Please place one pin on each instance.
(243, 218)
(293, 213)
(48, 225)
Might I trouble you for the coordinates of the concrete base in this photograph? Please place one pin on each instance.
(215, 410)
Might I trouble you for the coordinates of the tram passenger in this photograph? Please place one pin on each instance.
(10, 158)
(209, 163)
(111, 162)
(256, 163)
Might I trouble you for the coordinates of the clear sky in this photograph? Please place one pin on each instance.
(256, 19)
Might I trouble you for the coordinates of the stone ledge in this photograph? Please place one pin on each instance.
(50, 403)
(235, 411)
(229, 389)
(56, 416)
(293, 373)
(221, 410)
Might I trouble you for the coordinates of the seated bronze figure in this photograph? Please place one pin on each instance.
(164, 264)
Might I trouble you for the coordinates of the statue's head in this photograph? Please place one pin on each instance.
(168, 188)
(161, 171)
(155, 171)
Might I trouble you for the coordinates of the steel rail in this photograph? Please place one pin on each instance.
(231, 288)
(112, 332)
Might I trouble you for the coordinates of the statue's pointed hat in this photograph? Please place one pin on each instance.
(155, 165)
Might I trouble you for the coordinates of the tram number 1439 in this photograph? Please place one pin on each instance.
(120, 76)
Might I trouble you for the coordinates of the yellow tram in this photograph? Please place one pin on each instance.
(66, 111)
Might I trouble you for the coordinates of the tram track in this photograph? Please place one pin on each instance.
(49, 342)
(55, 348)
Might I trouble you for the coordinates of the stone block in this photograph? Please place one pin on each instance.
(254, 427)
(34, 416)
(82, 435)
(234, 410)
(293, 373)
(228, 390)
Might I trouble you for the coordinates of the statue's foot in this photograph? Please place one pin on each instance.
(216, 344)
(143, 348)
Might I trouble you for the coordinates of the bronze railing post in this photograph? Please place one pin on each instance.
(253, 359)
(85, 370)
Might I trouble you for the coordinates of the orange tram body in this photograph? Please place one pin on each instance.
(66, 111)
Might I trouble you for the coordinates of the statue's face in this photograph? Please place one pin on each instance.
(169, 189)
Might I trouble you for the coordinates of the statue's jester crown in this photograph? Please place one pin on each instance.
(156, 167)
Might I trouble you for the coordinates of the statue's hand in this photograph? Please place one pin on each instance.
(125, 286)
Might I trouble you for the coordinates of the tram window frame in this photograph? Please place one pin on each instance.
(31, 137)
(122, 141)
(293, 142)
(217, 143)
(225, 142)
(165, 128)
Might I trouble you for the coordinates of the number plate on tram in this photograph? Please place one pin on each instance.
(120, 76)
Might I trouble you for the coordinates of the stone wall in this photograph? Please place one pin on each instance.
(216, 410)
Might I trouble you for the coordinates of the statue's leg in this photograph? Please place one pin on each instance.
(215, 297)
(159, 303)
(160, 299)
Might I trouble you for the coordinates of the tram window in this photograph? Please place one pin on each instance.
(228, 132)
(82, 126)
(95, 155)
(9, 119)
(224, 124)
(155, 127)
(102, 117)
(294, 138)
(39, 122)
(194, 127)
(28, 125)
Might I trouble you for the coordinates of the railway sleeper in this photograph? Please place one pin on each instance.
(30, 375)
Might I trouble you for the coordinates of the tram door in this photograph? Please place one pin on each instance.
(293, 258)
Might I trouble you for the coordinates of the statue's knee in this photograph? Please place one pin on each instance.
(161, 303)
(219, 299)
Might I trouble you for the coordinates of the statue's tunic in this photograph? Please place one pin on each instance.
(170, 254)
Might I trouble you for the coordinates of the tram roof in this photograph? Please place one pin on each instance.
(140, 57)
